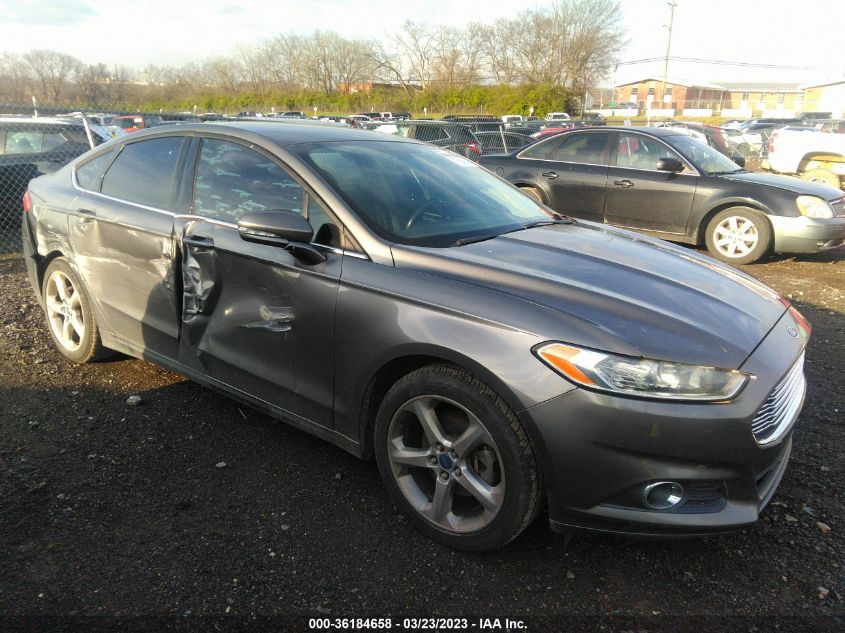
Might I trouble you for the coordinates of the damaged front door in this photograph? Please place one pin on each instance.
(254, 316)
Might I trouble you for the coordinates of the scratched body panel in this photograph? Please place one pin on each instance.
(259, 320)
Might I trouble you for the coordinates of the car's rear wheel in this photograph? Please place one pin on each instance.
(822, 176)
(456, 459)
(738, 235)
(69, 315)
(533, 192)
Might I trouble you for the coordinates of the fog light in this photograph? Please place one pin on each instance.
(663, 495)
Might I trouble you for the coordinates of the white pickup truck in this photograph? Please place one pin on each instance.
(816, 156)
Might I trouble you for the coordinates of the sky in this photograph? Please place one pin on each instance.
(173, 32)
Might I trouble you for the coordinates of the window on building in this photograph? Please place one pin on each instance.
(781, 98)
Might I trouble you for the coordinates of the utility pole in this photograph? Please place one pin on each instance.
(672, 6)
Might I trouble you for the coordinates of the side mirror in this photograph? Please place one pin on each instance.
(281, 228)
(670, 164)
(738, 159)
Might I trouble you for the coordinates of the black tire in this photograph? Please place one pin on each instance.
(822, 176)
(521, 498)
(533, 192)
(743, 254)
(88, 346)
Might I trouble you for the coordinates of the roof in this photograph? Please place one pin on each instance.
(825, 84)
(727, 86)
(760, 86)
(281, 132)
(674, 81)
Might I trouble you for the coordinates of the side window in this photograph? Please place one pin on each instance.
(90, 174)
(326, 232)
(430, 133)
(590, 148)
(641, 152)
(233, 180)
(52, 140)
(23, 142)
(144, 172)
(541, 150)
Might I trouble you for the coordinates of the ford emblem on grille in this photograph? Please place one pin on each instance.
(792, 332)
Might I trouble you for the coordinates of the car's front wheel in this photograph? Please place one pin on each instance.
(738, 235)
(456, 459)
(69, 314)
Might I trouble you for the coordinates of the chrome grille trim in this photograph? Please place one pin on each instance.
(781, 407)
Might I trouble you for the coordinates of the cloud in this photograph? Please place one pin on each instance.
(232, 9)
(45, 12)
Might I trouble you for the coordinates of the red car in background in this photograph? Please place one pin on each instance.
(135, 122)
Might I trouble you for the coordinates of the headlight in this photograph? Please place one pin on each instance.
(814, 207)
(641, 376)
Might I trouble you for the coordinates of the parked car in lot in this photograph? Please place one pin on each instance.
(134, 122)
(814, 156)
(452, 136)
(33, 146)
(557, 116)
(743, 143)
(663, 182)
(403, 303)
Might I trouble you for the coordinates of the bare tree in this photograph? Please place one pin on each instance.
(448, 56)
(222, 73)
(53, 71)
(92, 83)
(416, 46)
(497, 46)
(14, 78)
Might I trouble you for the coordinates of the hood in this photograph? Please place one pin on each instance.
(787, 183)
(664, 301)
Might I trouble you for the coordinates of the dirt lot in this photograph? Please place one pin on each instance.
(205, 514)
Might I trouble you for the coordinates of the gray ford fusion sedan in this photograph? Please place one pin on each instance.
(391, 297)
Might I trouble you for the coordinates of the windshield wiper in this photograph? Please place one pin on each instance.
(472, 240)
(725, 173)
(563, 219)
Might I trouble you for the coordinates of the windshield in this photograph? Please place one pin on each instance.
(420, 194)
(702, 155)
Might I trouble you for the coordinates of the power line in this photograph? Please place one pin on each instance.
(718, 62)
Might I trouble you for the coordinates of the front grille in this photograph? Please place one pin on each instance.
(780, 408)
(838, 207)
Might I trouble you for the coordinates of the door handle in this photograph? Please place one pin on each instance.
(551, 175)
(623, 183)
(198, 241)
(86, 216)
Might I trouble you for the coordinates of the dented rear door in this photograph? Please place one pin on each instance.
(121, 231)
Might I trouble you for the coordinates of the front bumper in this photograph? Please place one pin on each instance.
(807, 235)
(599, 452)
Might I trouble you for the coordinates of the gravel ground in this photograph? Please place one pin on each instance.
(207, 515)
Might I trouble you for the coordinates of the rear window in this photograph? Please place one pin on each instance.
(41, 140)
(89, 175)
(144, 172)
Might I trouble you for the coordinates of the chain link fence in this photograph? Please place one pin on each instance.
(34, 143)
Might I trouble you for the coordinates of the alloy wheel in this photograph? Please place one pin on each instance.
(735, 236)
(64, 311)
(446, 463)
